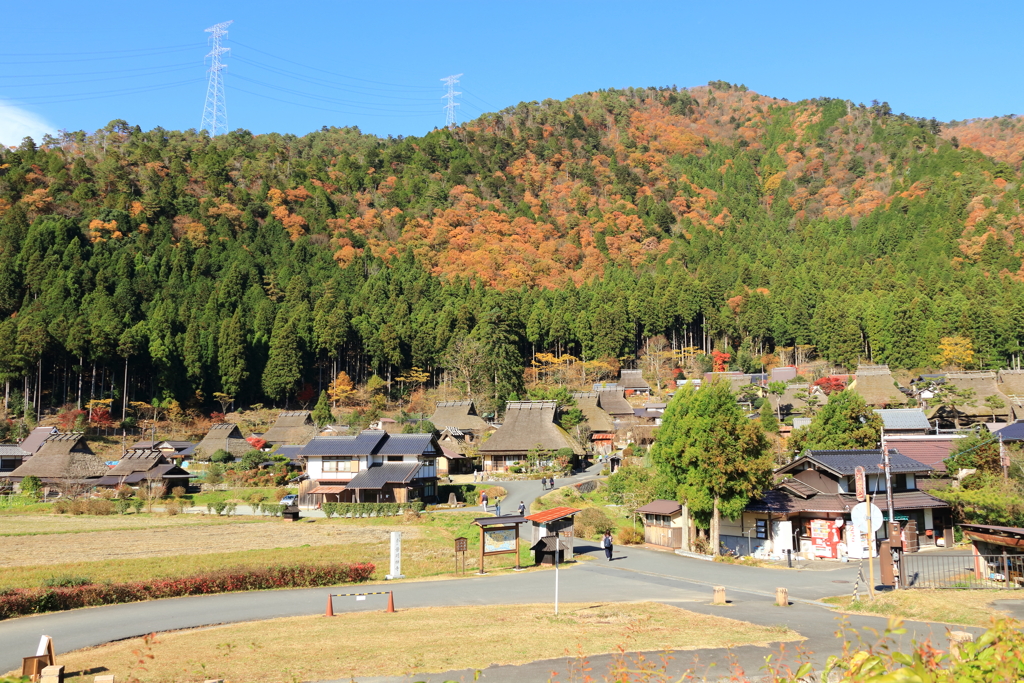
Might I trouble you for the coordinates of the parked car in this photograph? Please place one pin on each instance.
(290, 499)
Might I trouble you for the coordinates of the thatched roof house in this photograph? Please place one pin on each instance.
(293, 427)
(597, 418)
(876, 385)
(461, 415)
(529, 425)
(62, 457)
(614, 403)
(223, 437)
(788, 403)
(983, 384)
(633, 381)
(1011, 383)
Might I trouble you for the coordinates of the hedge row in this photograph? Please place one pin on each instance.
(369, 509)
(23, 601)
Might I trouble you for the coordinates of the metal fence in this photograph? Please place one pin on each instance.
(944, 570)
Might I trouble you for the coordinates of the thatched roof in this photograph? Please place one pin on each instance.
(138, 460)
(735, 380)
(876, 385)
(983, 384)
(613, 402)
(293, 427)
(1011, 383)
(633, 379)
(62, 444)
(529, 425)
(459, 414)
(598, 419)
(788, 403)
(224, 437)
(61, 464)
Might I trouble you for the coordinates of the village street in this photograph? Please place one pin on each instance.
(635, 574)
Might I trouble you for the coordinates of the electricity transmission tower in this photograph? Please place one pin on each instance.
(215, 113)
(449, 117)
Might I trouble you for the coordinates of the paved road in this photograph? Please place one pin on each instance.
(635, 574)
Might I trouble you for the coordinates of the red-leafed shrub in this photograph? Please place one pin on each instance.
(23, 601)
(256, 442)
(830, 384)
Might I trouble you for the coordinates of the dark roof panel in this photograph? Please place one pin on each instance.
(660, 507)
(845, 462)
(379, 476)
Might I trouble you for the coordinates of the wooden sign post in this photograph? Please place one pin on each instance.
(498, 536)
(461, 544)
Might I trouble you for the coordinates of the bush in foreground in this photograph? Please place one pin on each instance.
(22, 601)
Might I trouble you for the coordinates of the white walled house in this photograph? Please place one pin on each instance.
(372, 467)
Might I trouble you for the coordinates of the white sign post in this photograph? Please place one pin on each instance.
(396, 556)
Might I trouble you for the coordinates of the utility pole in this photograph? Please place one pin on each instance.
(215, 113)
(449, 108)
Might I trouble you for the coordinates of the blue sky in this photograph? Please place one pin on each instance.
(295, 67)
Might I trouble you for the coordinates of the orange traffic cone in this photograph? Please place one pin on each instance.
(330, 606)
(391, 602)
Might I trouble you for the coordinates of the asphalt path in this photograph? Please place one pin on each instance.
(635, 574)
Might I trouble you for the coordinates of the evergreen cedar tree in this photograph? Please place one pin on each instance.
(846, 421)
(252, 265)
(717, 457)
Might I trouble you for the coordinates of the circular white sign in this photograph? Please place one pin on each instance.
(859, 515)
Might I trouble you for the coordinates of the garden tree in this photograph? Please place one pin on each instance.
(31, 486)
(767, 417)
(322, 411)
(846, 421)
(717, 458)
(284, 369)
(994, 403)
(777, 389)
(976, 451)
(830, 384)
(224, 400)
(951, 397)
(810, 400)
(955, 352)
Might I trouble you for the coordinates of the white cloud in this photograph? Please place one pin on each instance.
(16, 123)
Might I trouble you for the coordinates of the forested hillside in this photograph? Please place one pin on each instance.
(716, 217)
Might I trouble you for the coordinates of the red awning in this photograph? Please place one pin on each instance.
(602, 437)
(327, 489)
(552, 515)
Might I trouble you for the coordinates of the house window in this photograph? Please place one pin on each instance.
(428, 490)
(762, 528)
(395, 458)
(899, 482)
(333, 463)
(426, 461)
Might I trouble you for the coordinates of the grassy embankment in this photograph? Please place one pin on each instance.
(316, 648)
(956, 607)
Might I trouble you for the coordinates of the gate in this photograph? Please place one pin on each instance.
(946, 570)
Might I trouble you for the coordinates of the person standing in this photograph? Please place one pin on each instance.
(483, 500)
(606, 543)
(522, 509)
(497, 507)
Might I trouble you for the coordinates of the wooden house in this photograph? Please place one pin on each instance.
(665, 525)
(809, 509)
(462, 416)
(292, 427)
(904, 421)
(144, 466)
(457, 451)
(11, 457)
(223, 437)
(371, 467)
(876, 384)
(633, 383)
(983, 385)
(529, 426)
(601, 424)
(62, 458)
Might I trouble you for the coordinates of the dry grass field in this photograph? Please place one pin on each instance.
(318, 648)
(139, 548)
(956, 607)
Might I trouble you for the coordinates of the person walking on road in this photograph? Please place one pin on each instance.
(606, 543)
(522, 509)
(483, 501)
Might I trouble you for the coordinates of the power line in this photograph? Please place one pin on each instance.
(95, 59)
(42, 99)
(336, 111)
(321, 98)
(64, 74)
(449, 116)
(325, 83)
(189, 46)
(110, 78)
(215, 113)
(332, 73)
